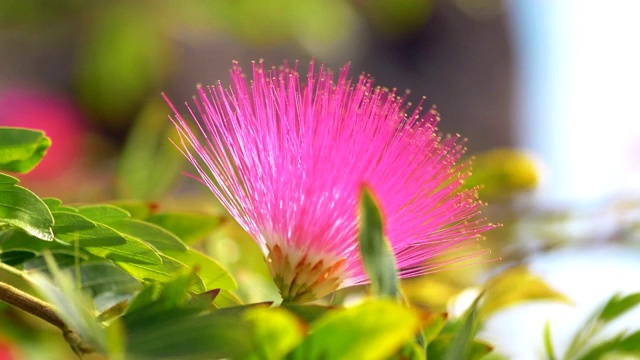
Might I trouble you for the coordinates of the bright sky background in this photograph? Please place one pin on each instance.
(578, 64)
(578, 93)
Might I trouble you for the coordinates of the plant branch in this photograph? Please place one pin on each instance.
(44, 311)
(30, 304)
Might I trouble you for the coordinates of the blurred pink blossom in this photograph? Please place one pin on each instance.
(57, 117)
(288, 160)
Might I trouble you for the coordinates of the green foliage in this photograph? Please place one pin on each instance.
(21, 208)
(124, 61)
(501, 173)
(548, 344)
(619, 346)
(458, 342)
(307, 312)
(189, 227)
(149, 163)
(144, 250)
(166, 321)
(101, 240)
(398, 18)
(617, 306)
(433, 325)
(210, 271)
(97, 258)
(380, 263)
(315, 23)
(21, 149)
(226, 298)
(73, 306)
(584, 346)
(275, 332)
(372, 330)
(513, 286)
(377, 256)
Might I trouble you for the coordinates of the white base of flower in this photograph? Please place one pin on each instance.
(303, 276)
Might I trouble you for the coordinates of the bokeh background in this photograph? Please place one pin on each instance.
(545, 92)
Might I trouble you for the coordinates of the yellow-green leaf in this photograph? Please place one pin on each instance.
(372, 330)
(514, 286)
(275, 332)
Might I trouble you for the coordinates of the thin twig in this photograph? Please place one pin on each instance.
(30, 304)
(46, 312)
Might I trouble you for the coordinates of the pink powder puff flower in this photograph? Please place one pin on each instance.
(288, 161)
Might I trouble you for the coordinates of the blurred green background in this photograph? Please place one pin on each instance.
(91, 73)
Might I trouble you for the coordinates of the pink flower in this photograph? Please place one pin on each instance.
(57, 117)
(288, 160)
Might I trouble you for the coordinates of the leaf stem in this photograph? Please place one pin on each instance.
(11, 269)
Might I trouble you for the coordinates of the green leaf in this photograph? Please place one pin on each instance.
(162, 322)
(150, 292)
(461, 345)
(163, 272)
(7, 180)
(514, 286)
(433, 325)
(105, 284)
(372, 330)
(74, 307)
(151, 234)
(52, 203)
(617, 306)
(140, 210)
(62, 259)
(275, 332)
(116, 337)
(149, 162)
(173, 294)
(71, 227)
(616, 347)
(210, 271)
(444, 345)
(21, 208)
(16, 257)
(186, 334)
(16, 239)
(226, 299)
(614, 308)
(21, 149)
(548, 344)
(101, 240)
(411, 351)
(307, 312)
(377, 256)
(103, 213)
(97, 278)
(188, 227)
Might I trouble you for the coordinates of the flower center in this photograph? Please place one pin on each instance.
(303, 276)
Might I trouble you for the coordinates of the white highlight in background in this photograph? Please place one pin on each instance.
(578, 91)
